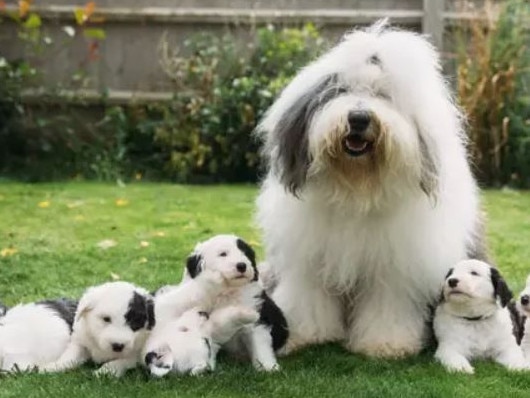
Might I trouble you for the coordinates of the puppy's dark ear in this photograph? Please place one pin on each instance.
(500, 288)
(193, 265)
(250, 254)
(150, 306)
(449, 273)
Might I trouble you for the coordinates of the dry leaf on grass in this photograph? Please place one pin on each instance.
(107, 244)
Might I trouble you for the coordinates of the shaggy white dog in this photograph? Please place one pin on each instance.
(189, 344)
(34, 334)
(473, 319)
(111, 326)
(235, 260)
(369, 198)
(523, 307)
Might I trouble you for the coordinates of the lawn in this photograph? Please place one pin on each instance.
(49, 236)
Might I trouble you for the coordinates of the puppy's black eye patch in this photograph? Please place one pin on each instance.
(474, 273)
(106, 319)
(223, 254)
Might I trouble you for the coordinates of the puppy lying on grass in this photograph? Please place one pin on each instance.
(34, 334)
(474, 319)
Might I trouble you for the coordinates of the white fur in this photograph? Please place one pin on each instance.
(189, 343)
(92, 336)
(370, 248)
(461, 340)
(524, 310)
(31, 335)
(221, 254)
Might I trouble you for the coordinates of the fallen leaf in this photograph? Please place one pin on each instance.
(143, 260)
(8, 251)
(144, 243)
(160, 234)
(44, 204)
(75, 204)
(79, 217)
(107, 244)
(114, 276)
(122, 202)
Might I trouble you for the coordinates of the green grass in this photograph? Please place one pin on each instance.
(57, 255)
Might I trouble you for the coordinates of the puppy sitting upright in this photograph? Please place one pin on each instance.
(473, 320)
(110, 327)
(236, 261)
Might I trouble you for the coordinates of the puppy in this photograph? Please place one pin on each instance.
(188, 343)
(473, 320)
(34, 334)
(235, 260)
(110, 327)
(523, 309)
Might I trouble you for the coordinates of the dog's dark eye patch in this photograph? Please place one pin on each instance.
(106, 319)
(137, 313)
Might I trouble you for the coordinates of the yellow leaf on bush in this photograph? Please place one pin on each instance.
(8, 251)
(44, 204)
(33, 21)
(23, 8)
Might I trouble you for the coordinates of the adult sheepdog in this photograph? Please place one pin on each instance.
(369, 198)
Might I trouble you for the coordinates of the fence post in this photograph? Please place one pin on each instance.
(433, 21)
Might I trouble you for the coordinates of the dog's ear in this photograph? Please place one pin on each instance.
(249, 252)
(429, 165)
(501, 291)
(150, 306)
(86, 304)
(288, 144)
(193, 264)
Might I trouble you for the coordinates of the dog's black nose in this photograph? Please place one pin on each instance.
(241, 267)
(525, 300)
(358, 121)
(116, 347)
(452, 282)
(150, 357)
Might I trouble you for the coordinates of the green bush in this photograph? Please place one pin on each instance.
(222, 87)
(493, 85)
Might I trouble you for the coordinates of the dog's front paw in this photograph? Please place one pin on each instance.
(266, 366)
(109, 370)
(454, 362)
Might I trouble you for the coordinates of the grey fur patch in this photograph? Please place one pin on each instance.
(429, 167)
(477, 249)
(290, 136)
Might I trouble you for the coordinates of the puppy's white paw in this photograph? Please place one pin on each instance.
(109, 369)
(266, 367)
(199, 370)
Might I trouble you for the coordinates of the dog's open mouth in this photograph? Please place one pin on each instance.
(355, 145)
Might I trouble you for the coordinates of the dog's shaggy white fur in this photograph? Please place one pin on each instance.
(111, 326)
(473, 320)
(189, 343)
(32, 335)
(235, 261)
(369, 198)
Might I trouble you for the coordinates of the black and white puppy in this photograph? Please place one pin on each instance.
(473, 319)
(110, 327)
(235, 260)
(34, 334)
(523, 309)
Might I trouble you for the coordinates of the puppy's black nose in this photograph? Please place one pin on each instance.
(452, 282)
(116, 347)
(525, 300)
(358, 121)
(150, 357)
(241, 267)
